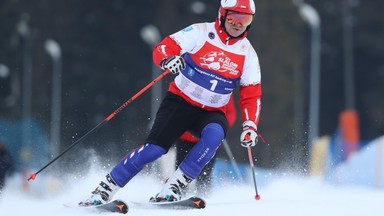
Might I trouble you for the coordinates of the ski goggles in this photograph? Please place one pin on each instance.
(242, 19)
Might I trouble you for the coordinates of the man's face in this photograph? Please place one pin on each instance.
(236, 23)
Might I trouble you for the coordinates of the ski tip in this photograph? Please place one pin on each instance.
(121, 206)
(117, 206)
(198, 202)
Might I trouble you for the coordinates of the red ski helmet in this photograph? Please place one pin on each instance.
(241, 6)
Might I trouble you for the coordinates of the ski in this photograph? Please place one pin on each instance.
(118, 206)
(190, 203)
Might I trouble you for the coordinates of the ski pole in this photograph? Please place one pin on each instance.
(232, 159)
(33, 175)
(257, 196)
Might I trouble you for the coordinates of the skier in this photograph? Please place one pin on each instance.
(209, 60)
(186, 142)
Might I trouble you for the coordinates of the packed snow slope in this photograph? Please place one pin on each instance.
(286, 196)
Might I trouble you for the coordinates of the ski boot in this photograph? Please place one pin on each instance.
(172, 188)
(102, 194)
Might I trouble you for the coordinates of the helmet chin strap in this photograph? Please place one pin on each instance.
(222, 24)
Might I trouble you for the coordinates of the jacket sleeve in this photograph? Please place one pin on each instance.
(166, 48)
(250, 102)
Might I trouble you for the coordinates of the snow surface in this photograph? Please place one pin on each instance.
(281, 196)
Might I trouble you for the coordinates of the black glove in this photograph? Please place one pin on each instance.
(174, 64)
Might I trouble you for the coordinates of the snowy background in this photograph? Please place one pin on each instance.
(281, 193)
